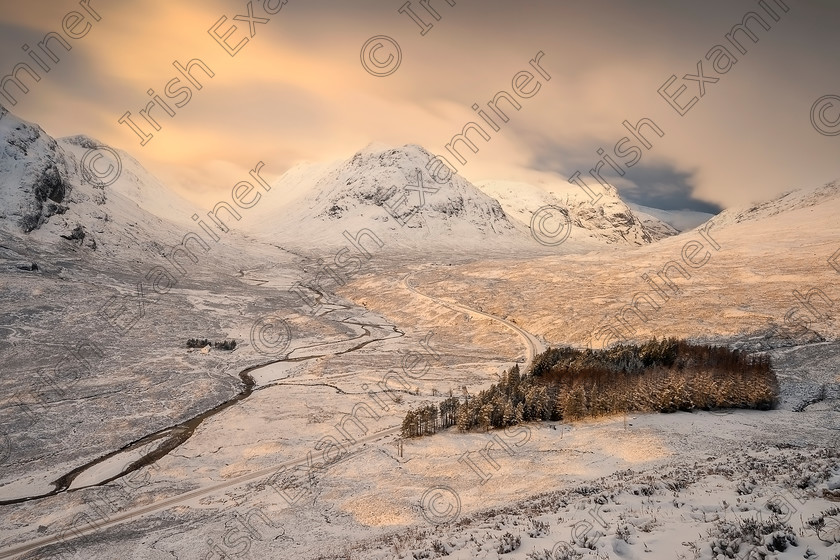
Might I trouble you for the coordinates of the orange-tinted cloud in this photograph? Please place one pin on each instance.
(297, 90)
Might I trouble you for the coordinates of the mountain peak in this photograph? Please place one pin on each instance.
(382, 156)
(381, 147)
(83, 141)
(388, 190)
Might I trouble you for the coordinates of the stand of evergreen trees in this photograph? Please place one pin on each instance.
(570, 384)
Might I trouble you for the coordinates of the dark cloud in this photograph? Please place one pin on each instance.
(555, 157)
(657, 186)
(664, 187)
(12, 37)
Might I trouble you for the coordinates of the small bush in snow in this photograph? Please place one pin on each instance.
(508, 543)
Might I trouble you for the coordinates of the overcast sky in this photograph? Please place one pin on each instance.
(297, 90)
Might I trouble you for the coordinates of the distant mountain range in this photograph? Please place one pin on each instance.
(47, 195)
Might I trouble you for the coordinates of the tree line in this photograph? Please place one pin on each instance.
(203, 342)
(569, 384)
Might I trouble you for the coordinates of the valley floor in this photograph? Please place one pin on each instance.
(283, 474)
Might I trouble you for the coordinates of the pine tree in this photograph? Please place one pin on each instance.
(530, 399)
(433, 418)
(558, 405)
(703, 389)
(508, 417)
(542, 411)
(409, 425)
(464, 417)
(485, 416)
(497, 418)
(518, 414)
(575, 406)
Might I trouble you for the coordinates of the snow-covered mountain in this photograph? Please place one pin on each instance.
(389, 192)
(805, 199)
(48, 193)
(678, 220)
(79, 190)
(379, 189)
(657, 228)
(31, 164)
(609, 220)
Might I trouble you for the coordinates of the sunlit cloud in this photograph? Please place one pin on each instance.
(297, 91)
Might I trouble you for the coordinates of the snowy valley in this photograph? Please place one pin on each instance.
(356, 290)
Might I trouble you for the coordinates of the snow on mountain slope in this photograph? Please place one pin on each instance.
(134, 182)
(679, 220)
(389, 192)
(657, 228)
(610, 220)
(770, 254)
(48, 193)
(33, 169)
(378, 189)
(790, 201)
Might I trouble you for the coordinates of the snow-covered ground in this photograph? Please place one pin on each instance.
(307, 463)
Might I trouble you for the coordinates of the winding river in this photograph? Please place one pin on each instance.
(172, 437)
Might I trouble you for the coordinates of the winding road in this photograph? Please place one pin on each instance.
(533, 344)
(165, 504)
